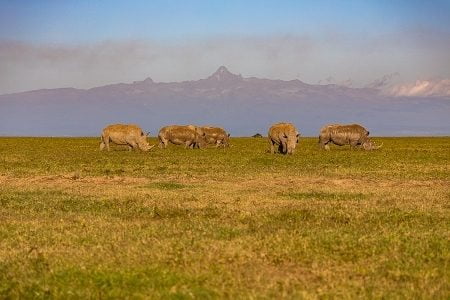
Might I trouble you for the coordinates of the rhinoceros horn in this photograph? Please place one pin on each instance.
(378, 147)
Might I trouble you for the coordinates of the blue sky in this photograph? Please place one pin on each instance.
(90, 21)
(357, 40)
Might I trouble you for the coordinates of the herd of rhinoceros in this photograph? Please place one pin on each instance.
(283, 136)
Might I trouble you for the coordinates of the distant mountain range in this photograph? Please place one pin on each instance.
(244, 106)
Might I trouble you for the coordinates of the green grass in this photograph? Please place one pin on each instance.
(224, 223)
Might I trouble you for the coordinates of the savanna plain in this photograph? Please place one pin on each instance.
(77, 223)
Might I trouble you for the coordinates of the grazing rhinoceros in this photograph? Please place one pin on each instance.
(188, 135)
(124, 134)
(285, 135)
(352, 134)
(216, 136)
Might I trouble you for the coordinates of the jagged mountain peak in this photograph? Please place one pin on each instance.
(222, 74)
(222, 69)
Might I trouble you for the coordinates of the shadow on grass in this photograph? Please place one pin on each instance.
(166, 186)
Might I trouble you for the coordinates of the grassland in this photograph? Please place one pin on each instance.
(224, 223)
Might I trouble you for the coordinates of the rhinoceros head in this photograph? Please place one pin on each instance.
(226, 140)
(292, 141)
(143, 143)
(200, 138)
(368, 144)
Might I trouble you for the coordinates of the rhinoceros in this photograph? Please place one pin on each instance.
(285, 136)
(124, 134)
(216, 136)
(188, 135)
(351, 134)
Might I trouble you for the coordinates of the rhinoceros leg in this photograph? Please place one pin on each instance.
(106, 142)
(284, 147)
(353, 144)
(272, 146)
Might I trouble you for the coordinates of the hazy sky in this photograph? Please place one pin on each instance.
(48, 44)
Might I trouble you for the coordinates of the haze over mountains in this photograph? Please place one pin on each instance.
(243, 106)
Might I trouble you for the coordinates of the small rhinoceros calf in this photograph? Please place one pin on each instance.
(351, 134)
(188, 135)
(124, 134)
(216, 136)
(285, 136)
